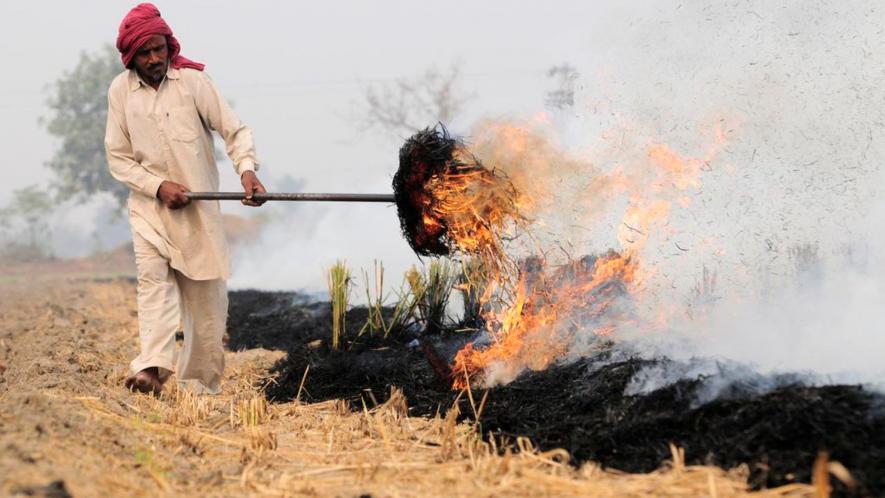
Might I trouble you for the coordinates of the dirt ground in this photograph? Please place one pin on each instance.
(68, 428)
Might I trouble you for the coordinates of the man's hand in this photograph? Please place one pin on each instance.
(173, 195)
(251, 185)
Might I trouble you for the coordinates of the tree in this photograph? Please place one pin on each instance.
(78, 114)
(409, 105)
(24, 225)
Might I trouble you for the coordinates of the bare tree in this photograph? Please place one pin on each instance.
(411, 104)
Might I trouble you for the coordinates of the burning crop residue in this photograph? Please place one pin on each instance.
(549, 309)
(449, 202)
(535, 307)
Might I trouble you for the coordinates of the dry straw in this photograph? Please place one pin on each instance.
(474, 286)
(104, 441)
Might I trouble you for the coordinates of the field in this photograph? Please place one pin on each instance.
(68, 428)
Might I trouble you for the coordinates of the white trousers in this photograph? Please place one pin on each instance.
(167, 299)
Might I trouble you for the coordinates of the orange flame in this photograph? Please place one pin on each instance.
(538, 326)
(477, 207)
(534, 310)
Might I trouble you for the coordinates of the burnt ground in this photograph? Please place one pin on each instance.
(582, 407)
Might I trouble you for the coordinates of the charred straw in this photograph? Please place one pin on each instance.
(425, 154)
(449, 202)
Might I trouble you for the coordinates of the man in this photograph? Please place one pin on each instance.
(158, 140)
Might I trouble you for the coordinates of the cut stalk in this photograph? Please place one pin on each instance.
(339, 290)
(473, 284)
(433, 290)
(403, 311)
(375, 306)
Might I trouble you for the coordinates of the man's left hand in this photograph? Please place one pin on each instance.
(251, 185)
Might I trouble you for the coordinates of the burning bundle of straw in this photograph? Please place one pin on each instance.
(449, 202)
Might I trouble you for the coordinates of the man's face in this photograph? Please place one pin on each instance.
(152, 59)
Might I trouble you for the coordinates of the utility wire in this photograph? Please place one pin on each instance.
(299, 84)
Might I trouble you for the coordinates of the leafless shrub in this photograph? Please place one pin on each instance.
(806, 260)
(409, 105)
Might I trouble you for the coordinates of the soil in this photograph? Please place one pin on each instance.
(582, 407)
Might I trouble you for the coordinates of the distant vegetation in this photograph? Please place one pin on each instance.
(77, 116)
(408, 105)
(78, 110)
(24, 226)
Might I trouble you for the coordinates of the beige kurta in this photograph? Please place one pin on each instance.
(165, 134)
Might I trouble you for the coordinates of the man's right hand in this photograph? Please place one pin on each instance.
(173, 195)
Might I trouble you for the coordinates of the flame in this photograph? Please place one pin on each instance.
(538, 326)
(533, 308)
(682, 173)
(477, 207)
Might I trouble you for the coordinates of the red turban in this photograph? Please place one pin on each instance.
(139, 25)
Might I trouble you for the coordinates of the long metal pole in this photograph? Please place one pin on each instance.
(269, 196)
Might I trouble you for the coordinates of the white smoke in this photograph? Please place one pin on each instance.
(298, 245)
(825, 321)
(788, 217)
(771, 262)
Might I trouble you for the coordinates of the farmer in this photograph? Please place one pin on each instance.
(160, 113)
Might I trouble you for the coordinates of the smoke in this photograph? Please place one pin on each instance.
(787, 217)
(736, 150)
(78, 230)
(825, 320)
(297, 242)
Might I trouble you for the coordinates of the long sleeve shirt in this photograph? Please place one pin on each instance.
(165, 134)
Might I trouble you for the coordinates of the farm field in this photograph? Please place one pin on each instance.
(68, 428)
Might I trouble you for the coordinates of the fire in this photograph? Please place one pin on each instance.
(551, 307)
(477, 206)
(535, 308)
(682, 173)
(449, 202)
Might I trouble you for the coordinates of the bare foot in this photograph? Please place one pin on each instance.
(147, 381)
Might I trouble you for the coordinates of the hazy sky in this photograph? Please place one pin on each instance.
(799, 85)
(293, 69)
(295, 72)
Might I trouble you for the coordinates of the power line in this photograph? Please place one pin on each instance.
(354, 81)
(388, 79)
